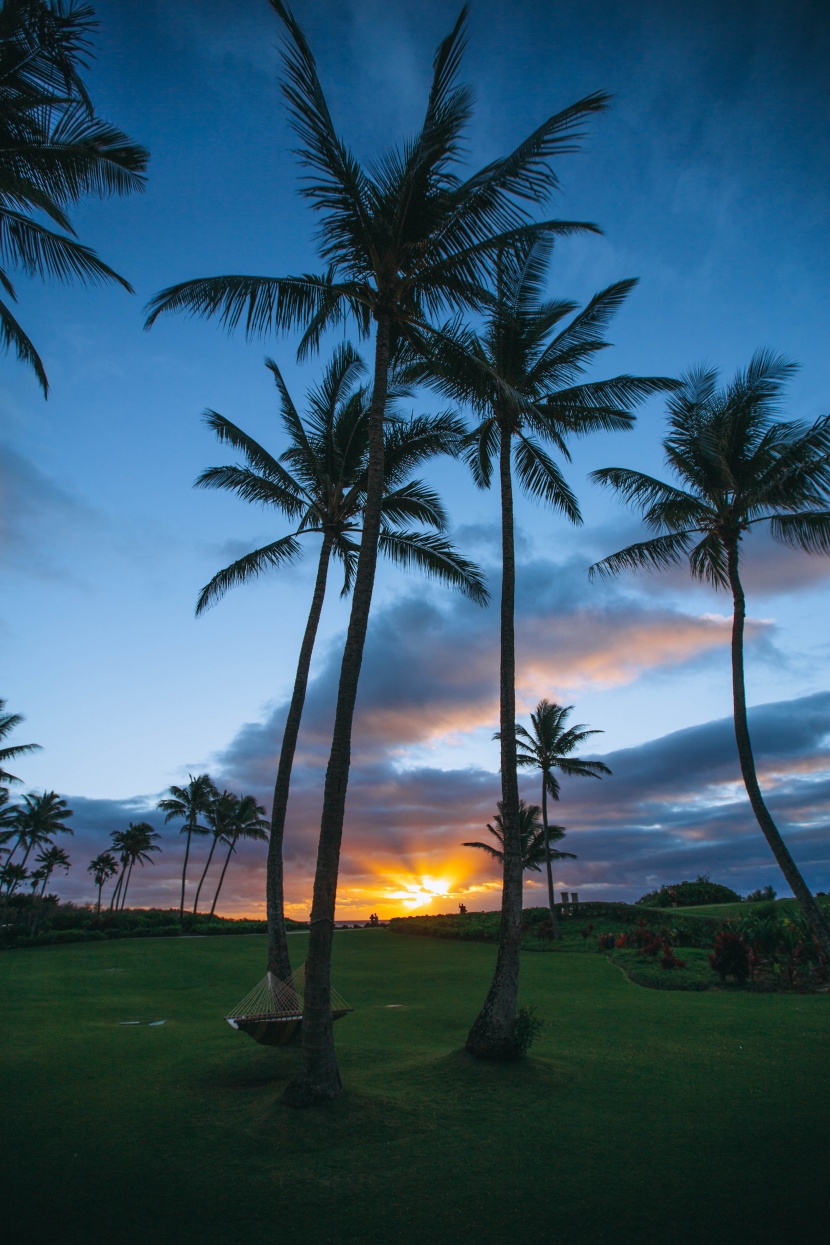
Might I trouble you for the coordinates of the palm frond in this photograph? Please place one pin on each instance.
(648, 555)
(40, 251)
(13, 336)
(437, 558)
(269, 304)
(275, 555)
(542, 478)
(810, 531)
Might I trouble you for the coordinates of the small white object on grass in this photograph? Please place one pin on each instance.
(152, 1024)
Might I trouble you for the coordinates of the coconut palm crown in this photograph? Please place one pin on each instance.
(738, 467)
(8, 722)
(532, 837)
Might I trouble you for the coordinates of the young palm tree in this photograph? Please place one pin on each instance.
(38, 819)
(8, 722)
(536, 839)
(401, 239)
(54, 150)
(102, 868)
(738, 467)
(219, 817)
(134, 845)
(189, 804)
(549, 746)
(248, 821)
(50, 859)
(520, 376)
(319, 483)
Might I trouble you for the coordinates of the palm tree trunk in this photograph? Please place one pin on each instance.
(117, 888)
(184, 872)
(279, 962)
(769, 829)
(204, 874)
(319, 1078)
(98, 906)
(221, 878)
(557, 933)
(126, 884)
(491, 1036)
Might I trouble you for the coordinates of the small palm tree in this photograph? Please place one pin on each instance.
(536, 839)
(219, 818)
(402, 240)
(319, 483)
(38, 819)
(50, 859)
(738, 467)
(134, 846)
(549, 745)
(8, 722)
(248, 821)
(189, 804)
(521, 377)
(54, 150)
(102, 868)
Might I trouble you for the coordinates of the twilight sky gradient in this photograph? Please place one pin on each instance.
(709, 177)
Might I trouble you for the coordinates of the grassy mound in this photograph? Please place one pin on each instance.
(700, 1115)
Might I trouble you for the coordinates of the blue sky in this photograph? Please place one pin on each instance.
(709, 178)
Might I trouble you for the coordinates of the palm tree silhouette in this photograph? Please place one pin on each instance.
(738, 467)
(8, 722)
(402, 239)
(549, 745)
(54, 150)
(319, 483)
(189, 803)
(103, 867)
(219, 817)
(247, 821)
(38, 819)
(50, 859)
(519, 376)
(134, 846)
(535, 838)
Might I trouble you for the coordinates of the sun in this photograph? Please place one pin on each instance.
(422, 891)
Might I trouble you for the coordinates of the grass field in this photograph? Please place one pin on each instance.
(641, 1115)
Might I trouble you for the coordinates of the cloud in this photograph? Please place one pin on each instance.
(31, 504)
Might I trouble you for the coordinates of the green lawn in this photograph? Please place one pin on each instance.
(642, 1115)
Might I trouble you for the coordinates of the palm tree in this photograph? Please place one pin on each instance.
(248, 821)
(738, 467)
(50, 859)
(54, 150)
(536, 839)
(102, 868)
(549, 746)
(219, 817)
(401, 239)
(8, 722)
(189, 803)
(134, 846)
(519, 376)
(319, 483)
(38, 819)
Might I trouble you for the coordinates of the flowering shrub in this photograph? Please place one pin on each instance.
(730, 955)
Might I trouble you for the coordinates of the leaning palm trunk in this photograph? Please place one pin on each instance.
(116, 890)
(184, 870)
(279, 962)
(492, 1036)
(204, 874)
(221, 878)
(319, 1078)
(769, 829)
(126, 884)
(554, 923)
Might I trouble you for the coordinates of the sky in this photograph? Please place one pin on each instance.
(708, 177)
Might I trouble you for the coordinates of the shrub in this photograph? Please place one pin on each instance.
(730, 955)
(526, 1028)
(761, 894)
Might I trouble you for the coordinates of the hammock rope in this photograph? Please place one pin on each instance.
(272, 1012)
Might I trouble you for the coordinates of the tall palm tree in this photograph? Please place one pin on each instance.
(248, 821)
(134, 845)
(50, 859)
(319, 483)
(54, 150)
(189, 804)
(520, 375)
(402, 239)
(219, 817)
(8, 722)
(738, 466)
(103, 867)
(38, 819)
(549, 745)
(536, 839)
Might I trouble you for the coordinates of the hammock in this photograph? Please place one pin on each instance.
(273, 1011)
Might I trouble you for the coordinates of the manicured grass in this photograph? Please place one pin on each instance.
(642, 1116)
